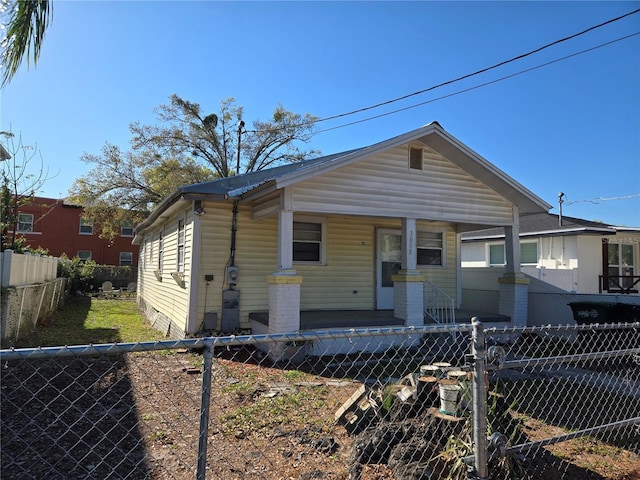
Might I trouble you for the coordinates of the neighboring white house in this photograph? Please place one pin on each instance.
(368, 230)
(573, 254)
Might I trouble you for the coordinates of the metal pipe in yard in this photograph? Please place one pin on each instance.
(578, 357)
(525, 447)
(478, 350)
(205, 403)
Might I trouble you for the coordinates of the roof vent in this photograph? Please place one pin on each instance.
(415, 158)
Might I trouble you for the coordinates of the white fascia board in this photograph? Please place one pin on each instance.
(627, 229)
(544, 233)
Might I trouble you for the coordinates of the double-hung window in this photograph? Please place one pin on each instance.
(86, 226)
(430, 248)
(620, 265)
(528, 254)
(180, 265)
(309, 241)
(126, 259)
(25, 222)
(160, 251)
(126, 230)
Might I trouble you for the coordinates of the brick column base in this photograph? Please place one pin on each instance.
(284, 309)
(408, 297)
(514, 298)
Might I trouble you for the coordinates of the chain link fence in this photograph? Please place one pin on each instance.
(445, 402)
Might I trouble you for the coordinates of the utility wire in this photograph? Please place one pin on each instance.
(601, 199)
(478, 72)
(506, 77)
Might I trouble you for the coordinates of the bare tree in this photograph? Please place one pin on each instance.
(185, 131)
(185, 147)
(23, 174)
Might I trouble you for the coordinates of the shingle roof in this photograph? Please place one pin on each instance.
(548, 224)
(248, 181)
(432, 134)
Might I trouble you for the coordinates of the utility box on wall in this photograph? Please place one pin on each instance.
(210, 320)
(230, 311)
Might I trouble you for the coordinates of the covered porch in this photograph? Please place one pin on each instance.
(336, 321)
(343, 319)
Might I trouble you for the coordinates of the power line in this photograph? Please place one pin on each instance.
(601, 199)
(449, 82)
(506, 77)
(478, 72)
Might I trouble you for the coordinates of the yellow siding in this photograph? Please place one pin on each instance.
(443, 278)
(383, 185)
(167, 296)
(256, 258)
(347, 281)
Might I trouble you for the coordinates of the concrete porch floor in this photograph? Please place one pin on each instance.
(340, 319)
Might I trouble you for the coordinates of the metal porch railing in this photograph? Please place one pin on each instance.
(438, 305)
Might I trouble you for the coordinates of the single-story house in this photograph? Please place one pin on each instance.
(372, 234)
(574, 254)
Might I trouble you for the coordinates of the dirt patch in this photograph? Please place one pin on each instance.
(136, 416)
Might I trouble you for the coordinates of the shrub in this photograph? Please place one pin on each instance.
(81, 273)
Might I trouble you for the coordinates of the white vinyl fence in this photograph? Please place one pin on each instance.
(26, 269)
(30, 292)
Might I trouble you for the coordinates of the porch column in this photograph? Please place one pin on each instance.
(514, 286)
(408, 284)
(284, 284)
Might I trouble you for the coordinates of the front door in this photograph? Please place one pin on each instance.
(388, 263)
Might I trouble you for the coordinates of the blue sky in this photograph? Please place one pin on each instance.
(571, 126)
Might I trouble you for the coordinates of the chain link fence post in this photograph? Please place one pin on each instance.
(205, 403)
(478, 351)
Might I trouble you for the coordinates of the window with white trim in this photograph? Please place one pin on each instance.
(25, 222)
(126, 230)
(84, 255)
(528, 254)
(309, 243)
(430, 249)
(160, 250)
(181, 236)
(620, 265)
(496, 254)
(86, 226)
(150, 248)
(126, 258)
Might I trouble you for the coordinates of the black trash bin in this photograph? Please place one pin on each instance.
(629, 313)
(591, 313)
(585, 313)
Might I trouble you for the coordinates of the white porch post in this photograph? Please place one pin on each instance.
(284, 284)
(408, 284)
(514, 286)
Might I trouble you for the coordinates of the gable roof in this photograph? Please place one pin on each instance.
(545, 224)
(432, 135)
